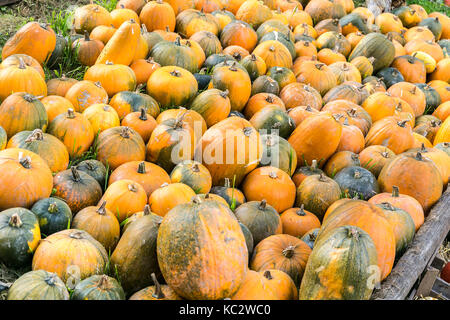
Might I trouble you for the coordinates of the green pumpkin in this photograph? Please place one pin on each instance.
(357, 182)
(98, 287)
(355, 20)
(19, 236)
(248, 238)
(53, 214)
(233, 196)
(152, 38)
(390, 76)
(58, 53)
(434, 25)
(137, 101)
(284, 39)
(38, 285)
(273, 25)
(433, 99)
(274, 120)
(215, 59)
(279, 153)
(445, 45)
(249, 63)
(3, 138)
(310, 237)
(265, 84)
(96, 169)
(340, 266)
(444, 146)
(281, 75)
(168, 53)
(378, 46)
(402, 224)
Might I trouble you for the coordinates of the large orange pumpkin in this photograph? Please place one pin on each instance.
(85, 93)
(168, 196)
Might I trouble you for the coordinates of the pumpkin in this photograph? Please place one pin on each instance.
(223, 17)
(45, 286)
(326, 26)
(237, 52)
(377, 46)
(317, 193)
(339, 161)
(85, 93)
(355, 115)
(298, 94)
(14, 60)
(77, 189)
(101, 117)
(98, 287)
(296, 17)
(208, 41)
(357, 182)
(143, 69)
(254, 65)
(273, 120)
(74, 130)
(428, 61)
(305, 171)
(381, 104)
(33, 39)
(21, 79)
(121, 48)
(253, 12)
(19, 235)
(349, 253)
(213, 105)
(56, 57)
(268, 284)
(87, 49)
(391, 132)
(323, 128)
(124, 198)
(181, 5)
(55, 105)
(136, 252)
(53, 214)
(87, 17)
(409, 17)
(277, 152)
(345, 72)
(239, 33)
(232, 253)
(330, 56)
(126, 102)
(164, 80)
(300, 113)
(26, 178)
(422, 33)
(168, 196)
(190, 21)
(439, 158)
(297, 222)
(352, 138)
(265, 84)
(233, 196)
(402, 171)
(217, 147)
(443, 111)
(317, 75)
(104, 73)
(305, 48)
(324, 9)
(281, 252)
(375, 157)
(60, 86)
(334, 40)
(429, 47)
(427, 126)
(79, 255)
(45, 145)
(193, 174)
(443, 89)
(274, 54)
(444, 146)
(155, 292)
(310, 237)
(95, 169)
(190, 117)
(103, 34)
(444, 20)
(411, 94)
(282, 199)
(142, 122)
(403, 202)
(433, 99)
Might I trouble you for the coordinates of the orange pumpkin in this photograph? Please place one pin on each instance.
(143, 69)
(375, 157)
(411, 68)
(14, 60)
(114, 78)
(298, 94)
(168, 196)
(443, 111)
(411, 94)
(274, 54)
(141, 122)
(297, 221)
(85, 93)
(317, 75)
(239, 33)
(102, 33)
(442, 71)
(60, 86)
(55, 105)
(101, 117)
(87, 49)
(158, 15)
(87, 17)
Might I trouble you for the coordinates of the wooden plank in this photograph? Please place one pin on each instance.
(426, 284)
(411, 265)
(8, 2)
(441, 289)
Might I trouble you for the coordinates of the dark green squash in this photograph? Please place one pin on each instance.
(98, 287)
(433, 99)
(279, 153)
(340, 267)
(287, 41)
(96, 169)
(215, 59)
(53, 214)
(58, 53)
(273, 120)
(390, 76)
(248, 238)
(434, 25)
(402, 224)
(203, 80)
(272, 25)
(282, 75)
(265, 84)
(135, 101)
(19, 236)
(38, 285)
(260, 218)
(357, 182)
(233, 196)
(445, 45)
(310, 237)
(168, 53)
(235, 113)
(355, 20)
(250, 64)
(135, 255)
(375, 45)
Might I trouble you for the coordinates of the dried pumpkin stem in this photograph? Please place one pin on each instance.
(158, 294)
(53, 208)
(141, 168)
(102, 209)
(75, 174)
(15, 221)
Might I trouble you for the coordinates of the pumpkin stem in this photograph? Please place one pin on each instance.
(24, 161)
(314, 164)
(86, 36)
(125, 132)
(29, 97)
(141, 168)
(75, 174)
(176, 73)
(387, 206)
(178, 41)
(51, 279)
(147, 210)
(247, 131)
(227, 183)
(268, 275)
(301, 211)
(157, 294)
(357, 175)
(22, 64)
(262, 204)
(15, 221)
(70, 113)
(37, 134)
(132, 187)
(289, 251)
(103, 284)
(354, 156)
(322, 177)
(76, 234)
(143, 115)
(419, 156)
(402, 123)
(195, 168)
(308, 108)
(53, 208)
(273, 175)
(224, 94)
(102, 209)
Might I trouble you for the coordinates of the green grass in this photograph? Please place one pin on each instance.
(109, 5)
(431, 5)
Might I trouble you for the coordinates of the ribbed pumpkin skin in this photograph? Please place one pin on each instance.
(415, 176)
(95, 169)
(150, 293)
(98, 287)
(339, 267)
(126, 102)
(19, 236)
(282, 252)
(121, 48)
(443, 134)
(375, 45)
(372, 220)
(175, 54)
(135, 254)
(70, 250)
(321, 130)
(38, 285)
(189, 265)
(375, 157)
(193, 174)
(53, 214)
(213, 105)
(114, 78)
(277, 152)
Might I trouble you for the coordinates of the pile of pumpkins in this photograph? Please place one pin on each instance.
(340, 147)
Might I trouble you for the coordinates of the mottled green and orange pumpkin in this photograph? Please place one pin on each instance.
(38, 285)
